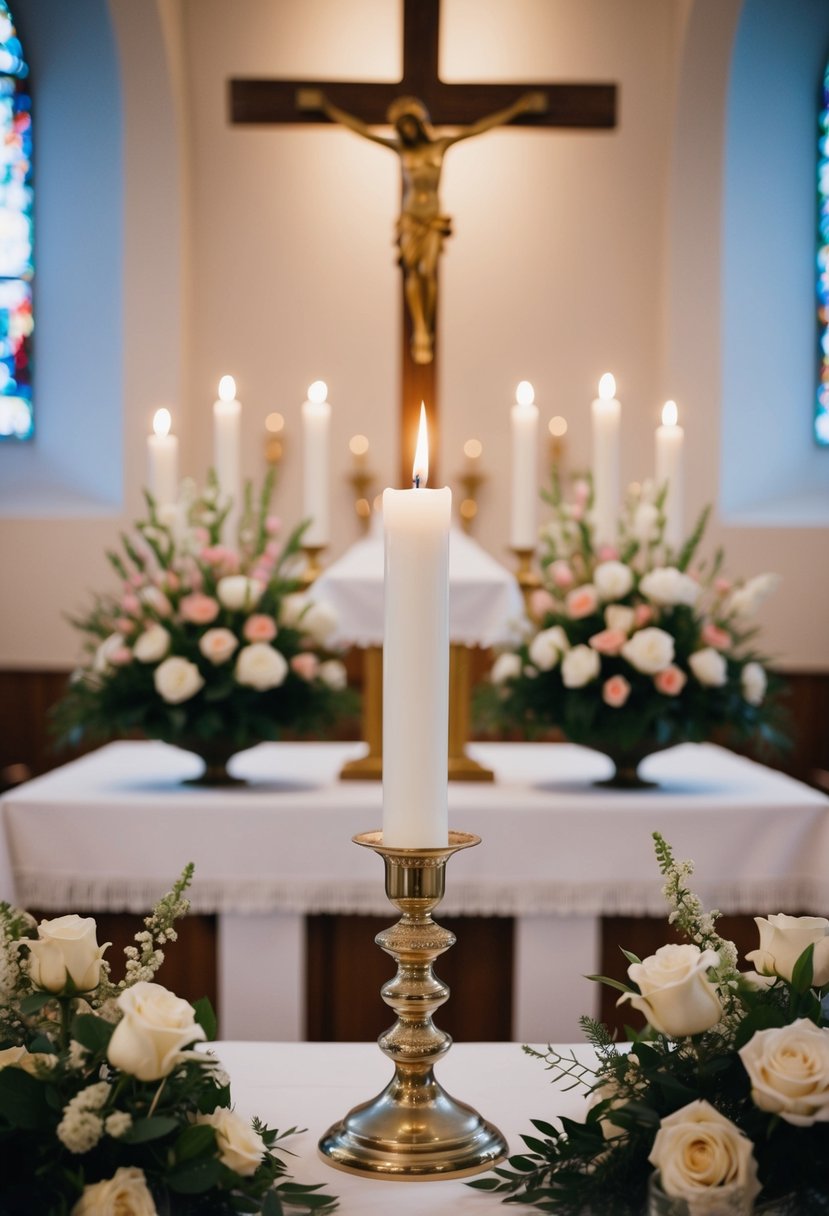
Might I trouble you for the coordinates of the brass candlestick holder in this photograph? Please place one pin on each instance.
(528, 578)
(414, 1129)
(313, 565)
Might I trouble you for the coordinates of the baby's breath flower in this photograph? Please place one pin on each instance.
(81, 1127)
(117, 1123)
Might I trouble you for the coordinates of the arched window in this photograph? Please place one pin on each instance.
(16, 253)
(822, 404)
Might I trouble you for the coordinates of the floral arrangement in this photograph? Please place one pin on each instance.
(633, 647)
(722, 1102)
(106, 1109)
(210, 647)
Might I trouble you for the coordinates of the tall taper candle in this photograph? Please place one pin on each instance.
(524, 417)
(316, 422)
(669, 469)
(416, 661)
(227, 418)
(162, 454)
(606, 412)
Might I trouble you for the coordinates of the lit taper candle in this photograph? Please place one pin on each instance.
(524, 418)
(227, 422)
(416, 660)
(670, 439)
(606, 412)
(316, 423)
(162, 457)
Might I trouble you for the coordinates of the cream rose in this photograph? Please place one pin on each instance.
(177, 680)
(619, 616)
(649, 650)
(709, 667)
(579, 666)
(645, 524)
(217, 645)
(236, 592)
(702, 1157)
(66, 949)
(333, 674)
(782, 941)
(744, 601)
(156, 1026)
(613, 580)
(674, 994)
(789, 1071)
(753, 682)
(240, 1148)
(124, 1194)
(109, 649)
(261, 667)
(506, 667)
(668, 586)
(151, 645)
(547, 647)
(319, 621)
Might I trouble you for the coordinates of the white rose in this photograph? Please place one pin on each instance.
(217, 645)
(782, 941)
(650, 650)
(154, 598)
(292, 608)
(745, 600)
(237, 592)
(619, 616)
(333, 674)
(177, 680)
(579, 666)
(753, 682)
(645, 523)
(156, 1026)
(260, 666)
(704, 1158)
(547, 647)
(709, 667)
(506, 667)
(668, 586)
(66, 949)
(151, 645)
(674, 993)
(612, 580)
(103, 655)
(319, 621)
(240, 1147)
(789, 1071)
(124, 1194)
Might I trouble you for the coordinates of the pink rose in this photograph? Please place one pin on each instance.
(609, 641)
(541, 602)
(642, 615)
(712, 635)
(273, 525)
(722, 586)
(172, 581)
(615, 691)
(259, 628)
(261, 573)
(225, 560)
(670, 681)
(131, 605)
(582, 601)
(198, 609)
(562, 575)
(124, 625)
(120, 656)
(608, 553)
(306, 665)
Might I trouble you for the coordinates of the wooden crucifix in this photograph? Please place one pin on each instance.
(410, 105)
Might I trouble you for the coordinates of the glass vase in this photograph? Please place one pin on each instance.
(731, 1200)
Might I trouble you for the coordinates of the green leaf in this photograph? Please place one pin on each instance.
(34, 1002)
(152, 1128)
(195, 1177)
(195, 1141)
(631, 958)
(546, 1129)
(485, 1184)
(206, 1017)
(92, 1032)
(804, 970)
(272, 1205)
(605, 979)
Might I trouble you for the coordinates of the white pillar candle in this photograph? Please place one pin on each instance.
(524, 533)
(162, 459)
(606, 412)
(669, 471)
(416, 662)
(316, 422)
(227, 418)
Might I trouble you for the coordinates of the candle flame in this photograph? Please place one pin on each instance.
(317, 392)
(162, 421)
(420, 468)
(670, 414)
(525, 393)
(227, 388)
(607, 387)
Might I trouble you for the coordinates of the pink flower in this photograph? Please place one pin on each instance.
(581, 491)
(120, 656)
(712, 635)
(172, 581)
(582, 601)
(198, 609)
(273, 525)
(259, 628)
(722, 586)
(615, 691)
(272, 550)
(562, 575)
(306, 665)
(124, 625)
(131, 605)
(136, 579)
(642, 615)
(608, 553)
(225, 560)
(541, 602)
(577, 511)
(609, 641)
(201, 535)
(670, 681)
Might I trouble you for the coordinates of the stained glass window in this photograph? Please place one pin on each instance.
(16, 253)
(822, 404)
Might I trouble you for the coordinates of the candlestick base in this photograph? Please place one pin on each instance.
(527, 578)
(313, 566)
(414, 1129)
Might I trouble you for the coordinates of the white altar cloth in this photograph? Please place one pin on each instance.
(111, 830)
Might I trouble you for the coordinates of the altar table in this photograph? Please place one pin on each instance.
(110, 831)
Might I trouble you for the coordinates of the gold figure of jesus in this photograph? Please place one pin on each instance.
(421, 228)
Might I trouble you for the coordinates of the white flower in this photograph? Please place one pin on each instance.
(124, 1194)
(782, 941)
(753, 682)
(261, 667)
(157, 1025)
(506, 667)
(240, 1148)
(668, 586)
(319, 621)
(292, 608)
(709, 667)
(81, 1127)
(745, 600)
(612, 580)
(217, 645)
(674, 994)
(645, 523)
(649, 650)
(177, 680)
(116, 1124)
(547, 647)
(102, 663)
(333, 674)
(237, 592)
(704, 1158)
(66, 949)
(619, 616)
(579, 666)
(154, 598)
(789, 1071)
(151, 645)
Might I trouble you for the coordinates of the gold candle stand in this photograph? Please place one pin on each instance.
(313, 565)
(527, 578)
(414, 1129)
